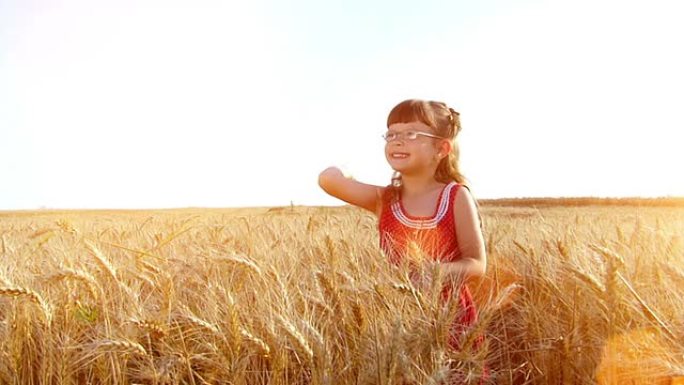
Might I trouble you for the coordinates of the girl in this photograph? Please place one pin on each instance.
(428, 204)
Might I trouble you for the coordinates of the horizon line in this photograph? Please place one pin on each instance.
(675, 198)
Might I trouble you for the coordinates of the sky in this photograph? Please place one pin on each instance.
(202, 103)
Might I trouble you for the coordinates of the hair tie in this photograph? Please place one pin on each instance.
(456, 125)
(452, 112)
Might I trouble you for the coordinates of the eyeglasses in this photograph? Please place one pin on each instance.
(408, 135)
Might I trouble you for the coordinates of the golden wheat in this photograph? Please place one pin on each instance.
(305, 296)
(261, 347)
(119, 346)
(32, 296)
(77, 275)
(301, 345)
(101, 259)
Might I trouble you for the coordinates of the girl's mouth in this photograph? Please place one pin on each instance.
(399, 155)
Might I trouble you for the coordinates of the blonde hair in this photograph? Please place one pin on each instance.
(445, 121)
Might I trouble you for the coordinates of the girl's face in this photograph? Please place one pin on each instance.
(411, 151)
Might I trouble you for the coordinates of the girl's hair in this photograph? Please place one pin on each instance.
(445, 122)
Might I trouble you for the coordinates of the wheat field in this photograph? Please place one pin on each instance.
(302, 295)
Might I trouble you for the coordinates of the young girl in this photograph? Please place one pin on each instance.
(428, 204)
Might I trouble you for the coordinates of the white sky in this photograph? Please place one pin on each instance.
(141, 103)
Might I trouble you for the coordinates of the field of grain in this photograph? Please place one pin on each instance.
(573, 295)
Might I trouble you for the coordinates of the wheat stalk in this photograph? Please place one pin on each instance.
(255, 342)
(241, 261)
(609, 255)
(32, 296)
(382, 294)
(100, 258)
(233, 316)
(302, 346)
(589, 280)
(120, 345)
(359, 316)
(152, 327)
(563, 249)
(318, 305)
(439, 376)
(319, 342)
(410, 290)
(77, 275)
(41, 232)
(330, 292)
(199, 322)
(505, 296)
(149, 266)
(330, 246)
(650, 313)
(282, 289)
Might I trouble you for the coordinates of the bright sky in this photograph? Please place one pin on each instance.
(145, 104)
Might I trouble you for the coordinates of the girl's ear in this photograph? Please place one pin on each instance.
(445, 147)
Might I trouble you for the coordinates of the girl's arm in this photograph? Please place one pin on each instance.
(366, 196)
(473, 262)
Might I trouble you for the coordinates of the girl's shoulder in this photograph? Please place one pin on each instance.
(386, 195)
(452, 190)
(465, 204)
(461, 195)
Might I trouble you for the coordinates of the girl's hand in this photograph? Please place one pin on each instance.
(342, 185)
(424, 283)
(427, 276)
(331, 172)
(335, 173)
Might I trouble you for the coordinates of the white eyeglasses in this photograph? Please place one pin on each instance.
(408, 135)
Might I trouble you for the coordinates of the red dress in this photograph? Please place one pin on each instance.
(436, 237)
